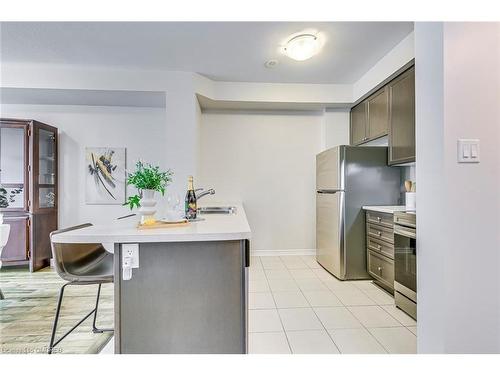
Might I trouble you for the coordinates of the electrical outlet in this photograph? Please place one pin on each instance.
(131, 251)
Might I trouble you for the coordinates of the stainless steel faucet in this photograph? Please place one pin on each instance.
(203, 193)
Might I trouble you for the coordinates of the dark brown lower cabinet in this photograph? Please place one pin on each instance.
(41, 226)
(29, 242)
(16, 251)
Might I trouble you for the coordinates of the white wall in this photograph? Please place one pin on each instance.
(336, 128)
(396, 58)
(140, 130)
(458, 225)
(266, 161)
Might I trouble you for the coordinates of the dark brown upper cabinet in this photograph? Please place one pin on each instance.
(28, 190)
(389, 111)
(402, 118)
(359, 120)
(378, 114)
(369, 119)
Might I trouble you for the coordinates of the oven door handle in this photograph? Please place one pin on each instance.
(406, 232)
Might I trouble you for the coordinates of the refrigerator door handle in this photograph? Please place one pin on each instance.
(328, 191)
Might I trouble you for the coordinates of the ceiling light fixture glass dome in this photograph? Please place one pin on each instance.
(302, 47)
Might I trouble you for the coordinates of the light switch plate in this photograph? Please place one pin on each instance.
(468, 151)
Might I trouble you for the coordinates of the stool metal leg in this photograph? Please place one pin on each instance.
(94, 328)
(56, 319)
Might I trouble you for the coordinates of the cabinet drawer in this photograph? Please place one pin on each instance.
(381, 268)
(380, 218)
(380, 247)
(380, 232)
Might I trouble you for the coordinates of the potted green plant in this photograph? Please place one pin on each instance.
(148, 180)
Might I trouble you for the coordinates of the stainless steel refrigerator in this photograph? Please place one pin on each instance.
(348, 178)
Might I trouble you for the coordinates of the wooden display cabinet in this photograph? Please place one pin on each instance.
(28, 190)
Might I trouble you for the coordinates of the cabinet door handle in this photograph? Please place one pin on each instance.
(379, 269)
(379, 247)
(379, 218)
(379, 234)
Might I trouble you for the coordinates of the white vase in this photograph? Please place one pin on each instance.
(148, 206)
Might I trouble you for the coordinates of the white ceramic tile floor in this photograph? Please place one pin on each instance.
(286, 300)
(380, 296)
(321, 298)
(264, 321)
(283, 285)
(260, 301)
(293, 262)
(257, 285)
(373, 316)
(268, 343)
(257, 273)
(400, 316)
(298, 307)
(303, 273)
(311, 342)
(312, 284)
(356, 341)
(354, 298)
(337, 317)
(310, 261)
(413, 329)
(278, 274)
(396, 339)
(300, 319)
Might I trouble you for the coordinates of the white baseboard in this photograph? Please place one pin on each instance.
(279, 252)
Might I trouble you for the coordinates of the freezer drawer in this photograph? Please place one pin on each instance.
(328, 170)
(329, 232)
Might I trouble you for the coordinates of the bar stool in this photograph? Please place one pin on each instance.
(80, 264)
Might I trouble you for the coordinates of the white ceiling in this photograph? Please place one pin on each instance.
(224, 51)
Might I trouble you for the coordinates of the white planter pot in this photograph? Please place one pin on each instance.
(148, 206)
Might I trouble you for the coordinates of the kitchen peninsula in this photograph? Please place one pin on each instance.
(189, 291)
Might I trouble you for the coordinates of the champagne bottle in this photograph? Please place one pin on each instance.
(190, 201)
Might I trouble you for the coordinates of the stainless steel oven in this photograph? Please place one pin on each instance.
(405, 262)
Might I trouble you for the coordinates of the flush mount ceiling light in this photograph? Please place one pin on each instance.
(302, 47)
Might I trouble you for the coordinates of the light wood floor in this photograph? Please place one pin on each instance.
(27, 313)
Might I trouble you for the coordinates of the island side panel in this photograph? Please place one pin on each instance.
(116, 280)
(185, 297)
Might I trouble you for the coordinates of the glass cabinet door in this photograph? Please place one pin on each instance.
(13, 194)
(45, 178)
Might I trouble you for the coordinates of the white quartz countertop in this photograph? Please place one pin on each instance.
(215, 227)
(386, 209)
